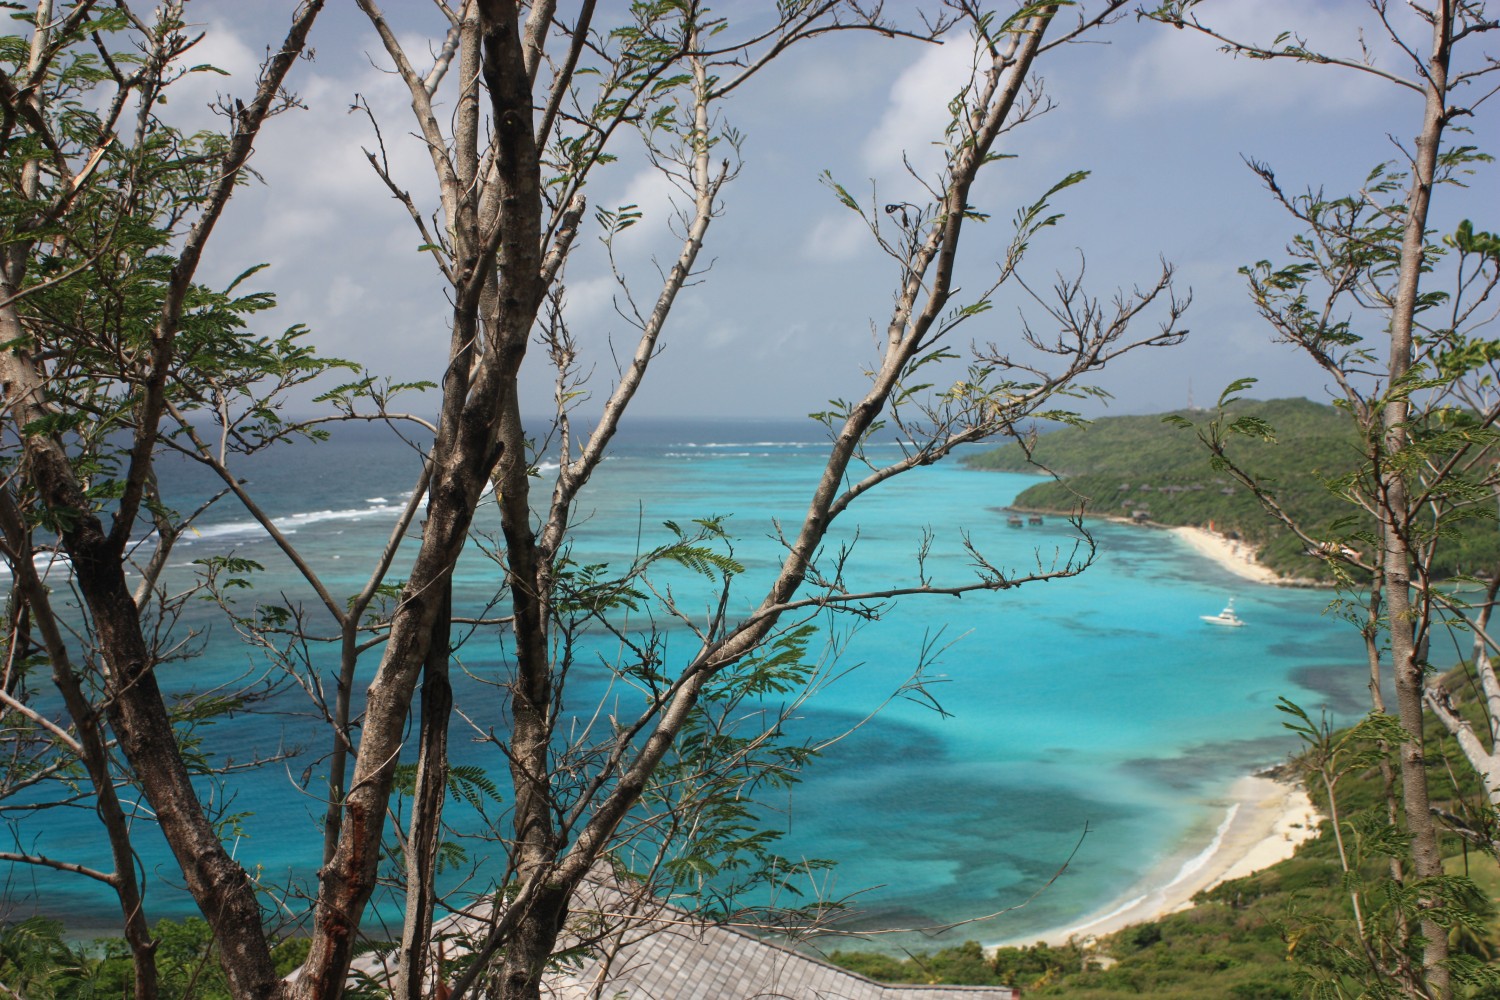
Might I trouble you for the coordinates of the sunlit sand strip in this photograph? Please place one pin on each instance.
(1236, 557)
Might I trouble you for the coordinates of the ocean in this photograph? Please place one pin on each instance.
(1094, 717)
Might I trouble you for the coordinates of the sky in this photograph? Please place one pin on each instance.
(782, 320)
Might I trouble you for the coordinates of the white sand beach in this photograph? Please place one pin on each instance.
(1236, 557)
(1262, 823)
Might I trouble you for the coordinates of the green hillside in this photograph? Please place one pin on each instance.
(1118, 466)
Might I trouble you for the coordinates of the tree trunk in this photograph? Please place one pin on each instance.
(1396, 514)
(426, 814)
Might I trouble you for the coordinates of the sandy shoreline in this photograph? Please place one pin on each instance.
(1236, 557)
(1262, 822)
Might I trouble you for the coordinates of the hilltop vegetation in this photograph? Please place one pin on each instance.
(1145, 466)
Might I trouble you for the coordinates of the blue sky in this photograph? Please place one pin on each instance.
(782, 321)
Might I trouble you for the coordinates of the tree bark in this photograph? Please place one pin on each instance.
(477, 389)
(135, 709)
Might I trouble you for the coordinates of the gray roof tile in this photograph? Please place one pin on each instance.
(667, 954)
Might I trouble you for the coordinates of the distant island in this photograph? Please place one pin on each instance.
(1148, 469)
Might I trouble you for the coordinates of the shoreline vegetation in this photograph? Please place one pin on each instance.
(1262, 819)
(1263, 822)
(1220, 918)
(1208, 922)
(1150, 471)
(1233, 555)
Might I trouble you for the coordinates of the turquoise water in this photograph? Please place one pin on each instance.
(1098, 704)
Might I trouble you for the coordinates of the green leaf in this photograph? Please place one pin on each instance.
(1237, 386)
(1255, 427)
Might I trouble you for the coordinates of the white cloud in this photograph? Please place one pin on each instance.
(590, 303)
(1185, 67)
(718, 336)
(918, 100)
(837, 237)
(286, 228)
(222, 49)
(655, 196)
(345, 295)
(785, 311)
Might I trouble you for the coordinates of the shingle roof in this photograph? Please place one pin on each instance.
(680, 961)
(665, 953)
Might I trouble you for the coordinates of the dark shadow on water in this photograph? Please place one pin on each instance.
(994, 835)
(1073, 625)
(1203, 767)
(1344, 689)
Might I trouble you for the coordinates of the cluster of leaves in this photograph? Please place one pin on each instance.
(1369, 955)
(1210, 952)
(700, 833)
(705, 802)
(98, 274)
(640, 86)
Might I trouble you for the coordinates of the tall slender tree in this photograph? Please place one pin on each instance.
(1398, 329)
(98, 187)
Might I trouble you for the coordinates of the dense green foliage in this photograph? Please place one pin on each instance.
(1117, 466)
(1231, 946)
(37, 962)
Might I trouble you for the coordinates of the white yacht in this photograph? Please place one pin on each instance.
(1226, 617)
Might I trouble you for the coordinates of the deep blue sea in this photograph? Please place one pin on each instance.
(1099, 703)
